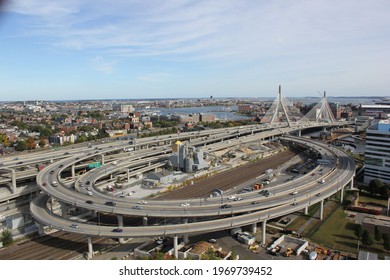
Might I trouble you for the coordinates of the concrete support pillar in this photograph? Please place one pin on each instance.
(90, 249)
(72, 170)
(307, 210)
(103, 159)
(13, 180)
(120, 224)
(185, 236)
(321, 209)
(93, 214)
(342, 195)
(51, 160)
(144, 221)
(263, 232)
(254, 228)
(128, 175)
(299, 133)
(175, 247)
(351, 183)
(64, 210)
(324, 129)
(111, 176)
(40, 228)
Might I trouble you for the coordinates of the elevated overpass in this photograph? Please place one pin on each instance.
(250, 211)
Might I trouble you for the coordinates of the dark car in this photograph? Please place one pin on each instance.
(20, 162)
(226, 206)
(117, 230)
(255, 202)
(110, 203)
(52, 171)
(89, 201)
(44, 184)
(60, 166)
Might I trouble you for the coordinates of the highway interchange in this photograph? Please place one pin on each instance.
(253, 209)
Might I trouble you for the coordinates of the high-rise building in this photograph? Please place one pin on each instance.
(377, 154)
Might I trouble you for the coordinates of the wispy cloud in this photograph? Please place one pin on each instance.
(203, 29)
(102, 65)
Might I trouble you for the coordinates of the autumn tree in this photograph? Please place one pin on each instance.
(30, 143)
(42, 142)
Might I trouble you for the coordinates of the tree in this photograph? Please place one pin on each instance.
(209, 255)
(378, 234)
(30, 143)
(42, 142)
(6, 237)
(21, 146)
(358, 231)
(366, 238)
(386, 241)
(375, 186)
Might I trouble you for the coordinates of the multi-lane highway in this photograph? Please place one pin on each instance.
(252, 209)
(60, 180)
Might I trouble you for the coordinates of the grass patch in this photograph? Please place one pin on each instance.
(313, 209)
(372, 200)
(298, 222)
(336, 232)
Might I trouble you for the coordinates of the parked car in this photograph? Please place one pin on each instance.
(117, 230)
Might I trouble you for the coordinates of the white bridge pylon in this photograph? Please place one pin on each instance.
(280, 109)
(321, 112)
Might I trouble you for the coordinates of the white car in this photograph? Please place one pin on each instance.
(185, 204)
(90, 193)
(238, 199)
(232, 197)
(142, 202)
(294, 192)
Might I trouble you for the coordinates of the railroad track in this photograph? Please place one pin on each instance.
(229, 179)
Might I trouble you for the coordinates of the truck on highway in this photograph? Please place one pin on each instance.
(258, 186)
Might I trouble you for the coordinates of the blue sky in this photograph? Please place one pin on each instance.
(56, 50)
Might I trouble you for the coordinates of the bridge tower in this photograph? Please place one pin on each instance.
(280, 109)
(321, 112)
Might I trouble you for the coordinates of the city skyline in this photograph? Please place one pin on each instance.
(73, 50)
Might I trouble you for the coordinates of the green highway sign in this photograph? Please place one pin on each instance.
(94, 165)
